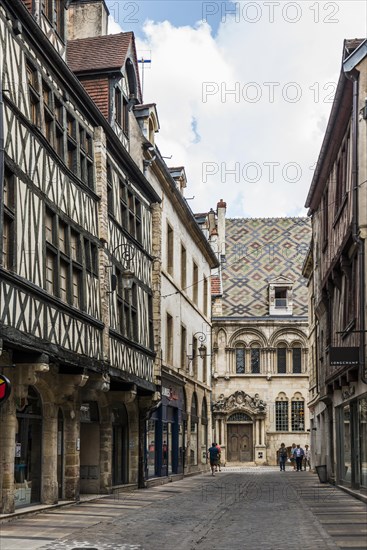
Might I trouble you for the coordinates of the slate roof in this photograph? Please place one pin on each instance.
(98, 53)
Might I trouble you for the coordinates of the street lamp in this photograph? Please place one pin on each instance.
(128, 275)
(202, 349)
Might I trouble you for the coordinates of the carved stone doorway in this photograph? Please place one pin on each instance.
(240, 442)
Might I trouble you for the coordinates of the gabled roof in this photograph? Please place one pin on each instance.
(281, 280)
(99, 53)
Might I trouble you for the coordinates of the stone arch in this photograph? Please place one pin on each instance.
(240, 344)
(45, 392)
(204, 408)
(253, 334)
(239, 416)
(296, 344)
(221, 338)
(283, 332)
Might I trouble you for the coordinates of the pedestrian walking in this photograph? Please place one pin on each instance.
(299, 454)
(213, 457)
(219, 457)
(283, 455)
(307, 458)
(292, 457)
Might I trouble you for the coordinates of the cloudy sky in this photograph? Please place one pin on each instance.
(243, 92)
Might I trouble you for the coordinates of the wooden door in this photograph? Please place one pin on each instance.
(240, 444)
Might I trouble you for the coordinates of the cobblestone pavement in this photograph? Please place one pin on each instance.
(238, 509)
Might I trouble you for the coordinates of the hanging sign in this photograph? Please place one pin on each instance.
(5, 388)
(344, 356)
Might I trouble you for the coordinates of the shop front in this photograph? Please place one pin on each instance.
(28, 450)
(165, 432)
(352, 449)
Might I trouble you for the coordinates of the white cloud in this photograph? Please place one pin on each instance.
(238, 133)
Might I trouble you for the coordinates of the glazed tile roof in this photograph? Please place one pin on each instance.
(259, 250)
(98, 53)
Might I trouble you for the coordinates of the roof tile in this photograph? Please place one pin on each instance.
(98, 53)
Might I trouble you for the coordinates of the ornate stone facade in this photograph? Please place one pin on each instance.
(260, 348)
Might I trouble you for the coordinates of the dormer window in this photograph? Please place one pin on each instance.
(280, 296)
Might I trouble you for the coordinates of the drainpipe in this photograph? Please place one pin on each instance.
(353, 75)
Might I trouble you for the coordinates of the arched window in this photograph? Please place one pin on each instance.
(281, 413)
(240, 359)
(255, 358)
(296, 359)
(282, 358)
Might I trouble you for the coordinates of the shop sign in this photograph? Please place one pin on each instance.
(344, 356)
(170, 393)
(5, 388)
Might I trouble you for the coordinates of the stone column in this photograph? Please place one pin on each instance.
(72, 456)
(49, 486)
(260, 446)
(105, 478)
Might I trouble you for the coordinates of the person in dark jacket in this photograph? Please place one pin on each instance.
(213, 457)
(283, 455)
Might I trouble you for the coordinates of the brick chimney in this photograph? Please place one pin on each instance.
(87, 19)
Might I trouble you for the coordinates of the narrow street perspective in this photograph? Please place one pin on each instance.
(237, 509)
(183, 275)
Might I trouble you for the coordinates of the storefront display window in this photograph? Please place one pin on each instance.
(119, 445)
(28, 450)
(151, 446)
(363, 441)
(346, 472)
(170, 448)
(204, 433)
(194, 432)
(181, 445)
(194, 444)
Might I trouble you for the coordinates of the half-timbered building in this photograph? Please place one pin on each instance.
(76, 304)
(337, 202)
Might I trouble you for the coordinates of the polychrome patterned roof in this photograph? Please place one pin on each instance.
(259, 250)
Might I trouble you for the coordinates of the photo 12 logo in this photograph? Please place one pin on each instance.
(268, 92)
(123, 12)
(271, 12)
(252, 172)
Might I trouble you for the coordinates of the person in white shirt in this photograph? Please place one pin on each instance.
(307, 458)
